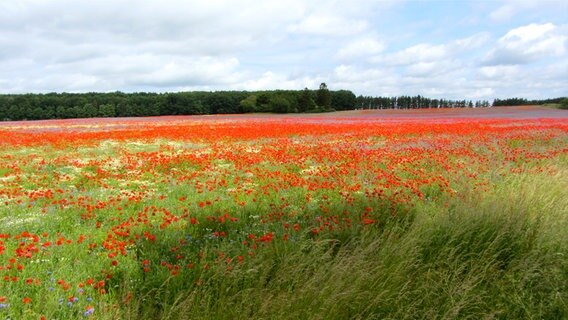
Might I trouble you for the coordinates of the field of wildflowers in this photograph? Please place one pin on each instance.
(284, 217)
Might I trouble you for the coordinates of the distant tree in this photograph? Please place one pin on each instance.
(90, 110)
(564, 104)
(222, 102)
(79, 112)
(305, 101)
(171, 106)
(512, 102)
(60, 112)
(3, 110)
(36, 113)
(124, 110)
(262, 101)
(345, 100)
(248, 104)
(323, 97)
(153, 109)
(107, 110)
(279, 104)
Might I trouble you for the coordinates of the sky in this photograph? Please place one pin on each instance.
(439, 49)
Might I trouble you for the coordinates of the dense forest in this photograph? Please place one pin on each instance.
(523, 102)
(119, 104)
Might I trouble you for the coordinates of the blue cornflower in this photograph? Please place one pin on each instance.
(89, 312)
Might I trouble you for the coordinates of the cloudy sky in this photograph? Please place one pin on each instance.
(452, 49)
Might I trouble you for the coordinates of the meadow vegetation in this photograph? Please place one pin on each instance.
(290, 218)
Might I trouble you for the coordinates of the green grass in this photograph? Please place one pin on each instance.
(561, 105)
(553, 105)
(497, 255)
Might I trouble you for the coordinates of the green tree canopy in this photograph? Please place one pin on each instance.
(306, 101)
(323, 98)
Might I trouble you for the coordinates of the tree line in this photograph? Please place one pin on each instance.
(524, 102)
(119, 104)
(415, 102)
(419, 102)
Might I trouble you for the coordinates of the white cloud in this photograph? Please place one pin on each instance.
(191, 71)
(527, 44)
(502, 13)
(327, 24)
(271, 80)
(481, 93)
(511, 9)
(469, 43)
(349, 73)
(528, 81)
(363, 47)
(498, 72)
(418, 53)
(370, 47)
(432, 68)
(426, 53)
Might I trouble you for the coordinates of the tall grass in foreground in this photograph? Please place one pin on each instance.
(496, 255)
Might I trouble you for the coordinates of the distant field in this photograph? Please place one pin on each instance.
(513, 112)
(366, 214)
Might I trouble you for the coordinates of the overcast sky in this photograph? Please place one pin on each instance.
(452, 49)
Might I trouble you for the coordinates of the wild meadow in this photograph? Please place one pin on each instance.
(286, 217)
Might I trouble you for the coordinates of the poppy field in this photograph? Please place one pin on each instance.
(320, 217)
